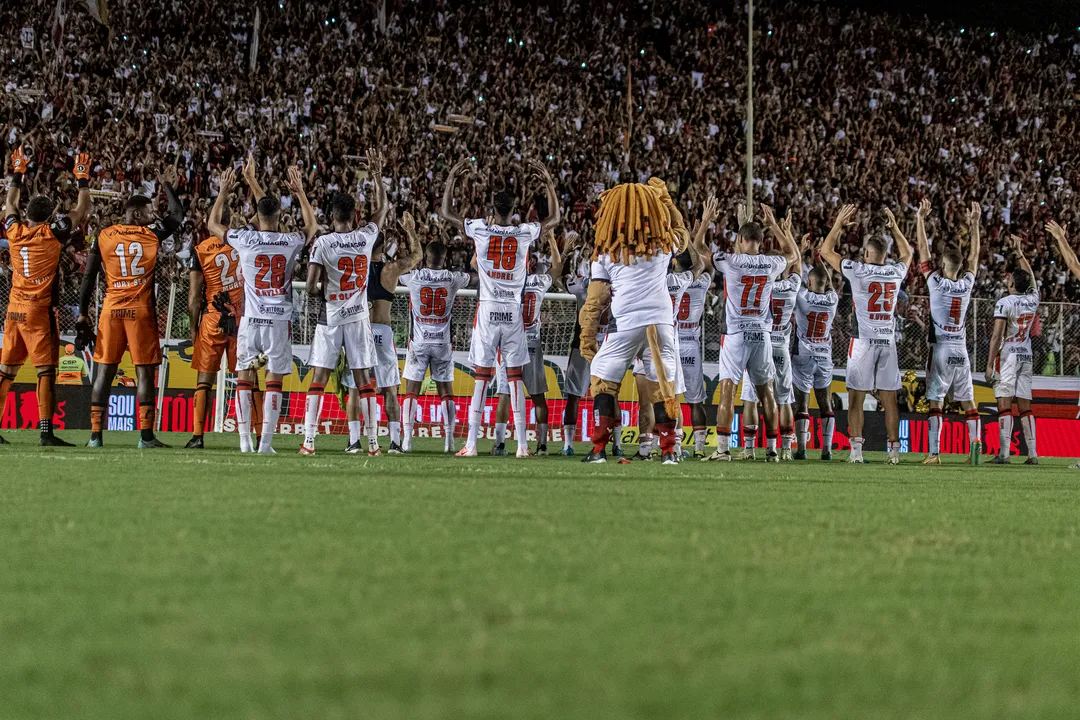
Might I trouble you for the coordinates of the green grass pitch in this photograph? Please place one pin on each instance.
(180, 584)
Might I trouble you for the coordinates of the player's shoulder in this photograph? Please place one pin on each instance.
(849, 265)
(475, 225)
(539, 280)
(680, 280)
(792, 283)
(12, 221)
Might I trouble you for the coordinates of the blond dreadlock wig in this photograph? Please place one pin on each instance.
(634, 221)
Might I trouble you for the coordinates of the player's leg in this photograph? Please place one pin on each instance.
(535, 380)
(772, 421)
(861, 379)
(701, 432)
(387, 379)
(502, 408)
(665, 430)
(245, 380)
(938, 382)
(408, 411)
(204, 383)
(646, 417)
(44, 348)
(7, 379)
(856, 398)
(934, 437)
(276, 343)
(749, 422)
(271, 410)
(1027, 426)
(211, 343)
(665, 414)
(13, 353)
(725, 413)
(887, 398)
(802, 422)
(100, 389)
(575, 385)
(313, 403)
(146, 394)
(608, 368)
(541, 407)
(449, 409)
(353, 413)
(514, 346)
(393, 417)
(828, 419)
(569, 423)
(145, 349)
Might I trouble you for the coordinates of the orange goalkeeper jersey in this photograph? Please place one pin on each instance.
(128, 256)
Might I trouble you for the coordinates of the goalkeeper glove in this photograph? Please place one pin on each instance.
(84, 334)
(82, 169)
(20, 164)
(227, 322)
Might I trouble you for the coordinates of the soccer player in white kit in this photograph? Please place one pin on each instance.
(745, 347)
(812, 363)
(267, 259)
(533, 374)
(338, 275)
(949, 374)
(872, 361)
(1059, 234)
(502, 251)
(432, 290)
(785, 292)
(1009, 365)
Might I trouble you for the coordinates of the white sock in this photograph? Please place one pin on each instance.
(408, 416)
(802, 433)
(787, 440)
(243, 419)
(828, 427)
(311, 418)
(974, 429)
(894, 448)
(476, 412)
(616, 436)
(568, 433)
(750, 437)
(395, 431)
(723, 443)
(500, 433)
(1027, 424)
(449, 419)
(770, 443)
(700, 435)
(541, 434)
(371, 419)
(645, 444)
(935, 433)
(271, 412)
(517, 407)
(856, 446)
(354, 431)
(1005, 430)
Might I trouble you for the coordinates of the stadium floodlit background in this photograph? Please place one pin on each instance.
(215, 585)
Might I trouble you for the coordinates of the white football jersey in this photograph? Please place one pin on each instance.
(639, 295)
(345, 258)
(502, 258)
(873, 291)
(531, 298)
(267, 260)
(677, 284)
(1019, 313)
(949, 300)
(814, 315)
(431, 303)
(784, 294)
(748, 281)
(691, 306)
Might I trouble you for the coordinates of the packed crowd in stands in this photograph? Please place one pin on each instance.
(873, 109)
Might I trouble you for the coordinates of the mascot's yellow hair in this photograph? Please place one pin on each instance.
(638, 220)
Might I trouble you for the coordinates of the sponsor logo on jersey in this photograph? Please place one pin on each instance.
(957, 361)
(501, 318)
(272, 309)
(16, 317)
(123, 314)
(880, 342)
(755, 337)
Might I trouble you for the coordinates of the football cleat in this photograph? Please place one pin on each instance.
(785, 455)
(596, 458)
(151, 444)
(1075, 466)
(466, 452)
(448, 447)
(374, 451)
(1034, 460)
(699, 453)
(305, 450)
(355, 448)
(568, 451)
(395, 449)
(748, 454)
(523, 452)
(772, 457)
(892, 460)
(3, 441)
(195, 443)
(618, 451)
(639, 456)
(856, 459)
(931, 460)
(718, 456)
(826, 455)
(95, 443)
(267, 451)
(998, 460)
(669, 458)
(51, 440)
(541, 450)
(799, 455)
(499, 450)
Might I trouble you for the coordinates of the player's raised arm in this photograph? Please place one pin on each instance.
(1059, 233)
(19, 164)
(296, 186)
(84, 331)
(248, 172)
(540, 172)
(920, 236)
(407, 259)
(974, 217)
(446, 211)
(175, 217)
(787, 244)
(556, 269)
(903, 248)
(828, 248)
(698, 250)
(214, 224)
(85, 205)
(1017, 246)
(376, 163)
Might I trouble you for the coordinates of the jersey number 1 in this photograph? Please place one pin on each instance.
(502, 252)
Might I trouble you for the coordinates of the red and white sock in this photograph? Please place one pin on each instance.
(408, 417)
(476, 406)
(312, 410)
(271, 413)
(1027, 424)
(935, 431)
(243, 414)
(1005, 431)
